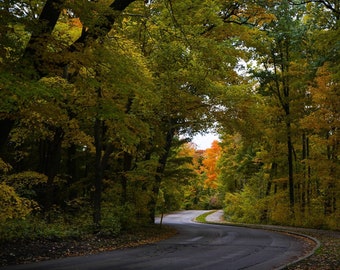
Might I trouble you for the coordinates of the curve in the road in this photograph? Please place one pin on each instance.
(196, 246)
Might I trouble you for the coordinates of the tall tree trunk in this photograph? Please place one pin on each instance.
(50, 157)
(290, 168)
(127, 164)
(159, 172)
(100, 166)
(309, 181)
(304, 169)
(101, 161)
(98, 178)
(285, 101)
(330, 189)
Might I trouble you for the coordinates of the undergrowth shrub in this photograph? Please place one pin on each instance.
(110, 224)
(36, 227)
(244, 207)
(12, 205)
(278, 209)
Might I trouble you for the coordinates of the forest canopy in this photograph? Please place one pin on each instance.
(99, 101)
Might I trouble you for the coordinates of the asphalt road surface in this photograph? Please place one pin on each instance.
(196, 246)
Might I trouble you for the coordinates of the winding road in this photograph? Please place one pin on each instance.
(196, 246)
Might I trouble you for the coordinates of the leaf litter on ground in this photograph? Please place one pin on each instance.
(24, 251)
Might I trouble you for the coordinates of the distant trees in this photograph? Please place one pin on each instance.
(209, 164)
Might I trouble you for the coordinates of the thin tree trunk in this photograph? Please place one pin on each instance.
(98, 175)
(101, 162)
(290, 167)
(273, 173)
(304, 179)
(286, 106)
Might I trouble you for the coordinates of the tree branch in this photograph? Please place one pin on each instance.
(118, 5)
(46, 23)
(333, 7)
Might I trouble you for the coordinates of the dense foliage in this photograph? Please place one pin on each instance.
(98, 100)
(285, 170)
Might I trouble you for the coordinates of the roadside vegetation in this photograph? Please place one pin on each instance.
(201, 218)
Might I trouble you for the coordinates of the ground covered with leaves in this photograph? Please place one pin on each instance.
(326, 257)
(27, 251)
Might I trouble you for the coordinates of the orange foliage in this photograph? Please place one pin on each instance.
(209, 164)
(76, 22)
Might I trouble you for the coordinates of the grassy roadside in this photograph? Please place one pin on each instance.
(325, 257)
(202, 218)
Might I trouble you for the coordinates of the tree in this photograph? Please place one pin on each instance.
(284, 35)
(179, 172)
(38, 59)
(288, 91)
(180, 69)
(323, 147)
(211, 157)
